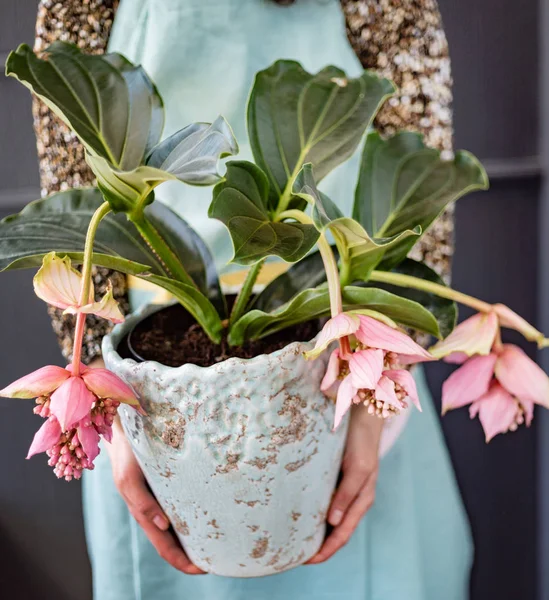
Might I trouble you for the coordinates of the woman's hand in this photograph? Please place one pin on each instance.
(133, 488)
(356, 492)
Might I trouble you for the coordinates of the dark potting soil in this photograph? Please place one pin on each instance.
(172, 337)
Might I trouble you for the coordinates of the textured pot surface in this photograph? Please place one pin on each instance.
(240, 455)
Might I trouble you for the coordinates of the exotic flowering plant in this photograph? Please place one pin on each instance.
(353, 269)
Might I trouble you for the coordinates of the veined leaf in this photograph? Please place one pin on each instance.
(315, 303)
(111, 104)
(241, 203)
(190, 155)
(359, 253)
(295, 117)
(403, 185)
(60, 221)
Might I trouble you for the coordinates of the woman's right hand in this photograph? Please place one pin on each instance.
(131, 484)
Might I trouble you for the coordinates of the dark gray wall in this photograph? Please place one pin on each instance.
(495, 53)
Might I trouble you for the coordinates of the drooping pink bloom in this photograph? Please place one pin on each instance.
(59, 284)
(370, 373)
(78, 408)
(475, 336)
(501, 387)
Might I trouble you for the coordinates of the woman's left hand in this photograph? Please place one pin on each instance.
(356, 492)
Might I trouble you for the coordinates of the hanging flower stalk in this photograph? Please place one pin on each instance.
(78, 403)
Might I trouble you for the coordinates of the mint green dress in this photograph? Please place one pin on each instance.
(414, 544)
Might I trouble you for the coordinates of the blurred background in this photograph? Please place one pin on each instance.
(500, 64)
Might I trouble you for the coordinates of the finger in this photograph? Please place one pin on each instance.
(147, 512)
(354, 479)
(342, 534)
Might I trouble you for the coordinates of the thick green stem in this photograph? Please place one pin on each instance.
(332, 275)
(407, 281)
(437, 289)
(328, 258)
(159, 246)
(101, 212)
(245, 292)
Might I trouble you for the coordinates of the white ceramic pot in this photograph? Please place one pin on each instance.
(240, 455)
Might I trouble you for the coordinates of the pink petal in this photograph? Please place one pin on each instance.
(38, 383)
(385, 391)
(406, 381)
(57, 282)
(89, 439)
(456, 358)
(105, 384)
(468, 383)
(475, 335)
(107, 308)
(71, 402)
(509, 318)
(335, 328)
(497, 411)
(366, 367)
(375, 334)
(521, 376)
(528, 407)
(330, 382)
(345, 396)
(46, 437)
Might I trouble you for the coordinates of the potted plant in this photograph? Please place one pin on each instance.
(236, 417)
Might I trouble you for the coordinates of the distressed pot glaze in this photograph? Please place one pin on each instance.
(240, 455)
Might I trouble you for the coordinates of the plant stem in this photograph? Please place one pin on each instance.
(159, 246)
(287, 192)
(101, 212)
(245, 292)
(328, 258)
(442, 291)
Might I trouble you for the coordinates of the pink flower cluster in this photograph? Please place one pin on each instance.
(366, 367)
(78, 408)
(499, 381)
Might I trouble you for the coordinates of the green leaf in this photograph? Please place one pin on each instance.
(359, 253)
(295, 117)
(190, 155)
(307, 273)
(59, 223)
(241, 203)
(315, 303)
(111, 104)
(194, 301)
(403, 185)
(445, 311)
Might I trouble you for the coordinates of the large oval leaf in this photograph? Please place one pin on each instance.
(295, 117)
(315, 303)
(403, 185)
(111, 104)
(240, 202)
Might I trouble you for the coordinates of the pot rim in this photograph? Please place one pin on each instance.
(112, 340)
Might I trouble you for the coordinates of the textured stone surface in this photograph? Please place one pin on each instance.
(240, 455)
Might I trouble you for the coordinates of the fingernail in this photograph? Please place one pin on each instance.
(161, 522)
(335, 517)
